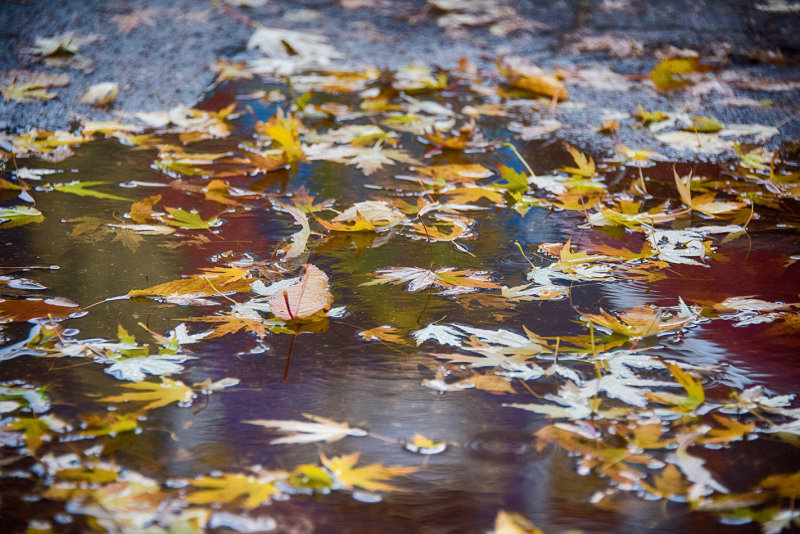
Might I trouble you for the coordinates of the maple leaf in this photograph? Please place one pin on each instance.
(668, 484)
(154, 394)
(129, 239)
(584, 166)
(230, 487)
(108, 424)
(100, 94)
(322, 429)
(731, 430)
(785, 485)
(284, 130)
(231, 323)
(148, 17)
(445, 227)
(211, 281)
(692, 466)
(370, 477)
(305, 298)
(141, 210)
(419, 279)
(468, 195)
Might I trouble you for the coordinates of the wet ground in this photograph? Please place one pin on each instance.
(494, 383)
(161, 52)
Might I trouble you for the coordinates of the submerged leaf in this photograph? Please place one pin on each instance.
(154, 394)
(230, 487)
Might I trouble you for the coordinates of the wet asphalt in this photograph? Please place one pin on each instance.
(160, 52)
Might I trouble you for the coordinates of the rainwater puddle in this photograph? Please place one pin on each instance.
(488, 374)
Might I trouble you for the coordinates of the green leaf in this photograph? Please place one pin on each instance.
(19, 215)
(81, 189)
(704, 125)
(515, 182)
(189, 220)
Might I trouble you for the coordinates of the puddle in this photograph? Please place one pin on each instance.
(383, 382)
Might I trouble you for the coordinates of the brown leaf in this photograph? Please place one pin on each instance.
(305, 298)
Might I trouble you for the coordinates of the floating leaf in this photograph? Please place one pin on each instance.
(211, 281)
(25, 310)
(189, 219)
(371, 477)
(81, 189)
(418, 279)
(305, 298)
(321, 429)
(19, 215)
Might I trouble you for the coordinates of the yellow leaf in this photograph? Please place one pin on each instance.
(525, 75)
(141, 210)
(669, 483)
(731, 430)
(154, 394)
(694, 389)
(667, 74)
(283, 129)
(212, 281)
(454, 172)
(513, 523)
(370, 477)
(584, 166)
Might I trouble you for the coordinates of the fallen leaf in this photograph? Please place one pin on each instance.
(371, 477)
(321, 429)
(211, 281)
(230, 487)
(100, 94)
(154, 394)
(303, 299)
(668, 74)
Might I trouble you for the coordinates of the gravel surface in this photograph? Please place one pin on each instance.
(160, 52)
